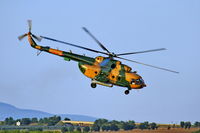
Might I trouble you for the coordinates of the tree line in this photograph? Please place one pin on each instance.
(49, 121)
(187, 125)
(105, 125)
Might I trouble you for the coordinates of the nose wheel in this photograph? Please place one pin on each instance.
(126, 92)
(93, 85)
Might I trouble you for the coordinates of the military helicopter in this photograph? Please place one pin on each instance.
(101, 70)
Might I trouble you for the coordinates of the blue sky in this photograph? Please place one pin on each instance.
(48, 83)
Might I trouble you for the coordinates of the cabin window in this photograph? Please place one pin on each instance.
(105, 62)
(133, 81)
(119, 78)
(113, 66)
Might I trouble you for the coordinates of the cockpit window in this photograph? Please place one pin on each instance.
(141, 80)
(133, 81)
(137, 81)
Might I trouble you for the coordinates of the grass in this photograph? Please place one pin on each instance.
(196, 131)
(161, 130)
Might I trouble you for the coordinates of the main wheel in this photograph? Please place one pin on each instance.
(126, 92)
(93, 85)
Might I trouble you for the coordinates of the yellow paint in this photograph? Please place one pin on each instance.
(127, 68)
(130, 76)
(30, 39)
(99, 59)
(80, 123)
(113, 75)
(38, 47)
(91, 70)
(55, 51)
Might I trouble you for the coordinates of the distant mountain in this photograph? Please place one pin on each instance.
(7, 110)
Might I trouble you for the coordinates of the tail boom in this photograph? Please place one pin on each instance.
(72, 56)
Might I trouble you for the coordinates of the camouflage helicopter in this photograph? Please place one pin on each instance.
(101, 70)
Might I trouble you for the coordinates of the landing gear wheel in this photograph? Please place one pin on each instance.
(93, 85)
(126, 92)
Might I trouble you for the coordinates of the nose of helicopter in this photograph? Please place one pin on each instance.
(141, 85)
(137, 83)
(144, 85)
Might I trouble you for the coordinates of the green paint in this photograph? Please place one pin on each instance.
(79, 58)
(122, 81)
(102, 77)
(66, 59)
(81, 68)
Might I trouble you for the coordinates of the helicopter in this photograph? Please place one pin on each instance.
(106, 71)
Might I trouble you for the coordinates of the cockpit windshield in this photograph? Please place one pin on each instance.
(137, 81)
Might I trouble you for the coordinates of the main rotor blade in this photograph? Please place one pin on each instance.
(22, 36)
(74, 45)
(29, 25)
(152, 50)
(100, 44)
(148, 65)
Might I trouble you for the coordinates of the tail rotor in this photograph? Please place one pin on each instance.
(29, 25)
(22, 36)
(29, 28)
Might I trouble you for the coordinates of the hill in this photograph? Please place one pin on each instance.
(7, 110)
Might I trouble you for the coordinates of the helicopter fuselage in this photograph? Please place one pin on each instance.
(111, 71)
